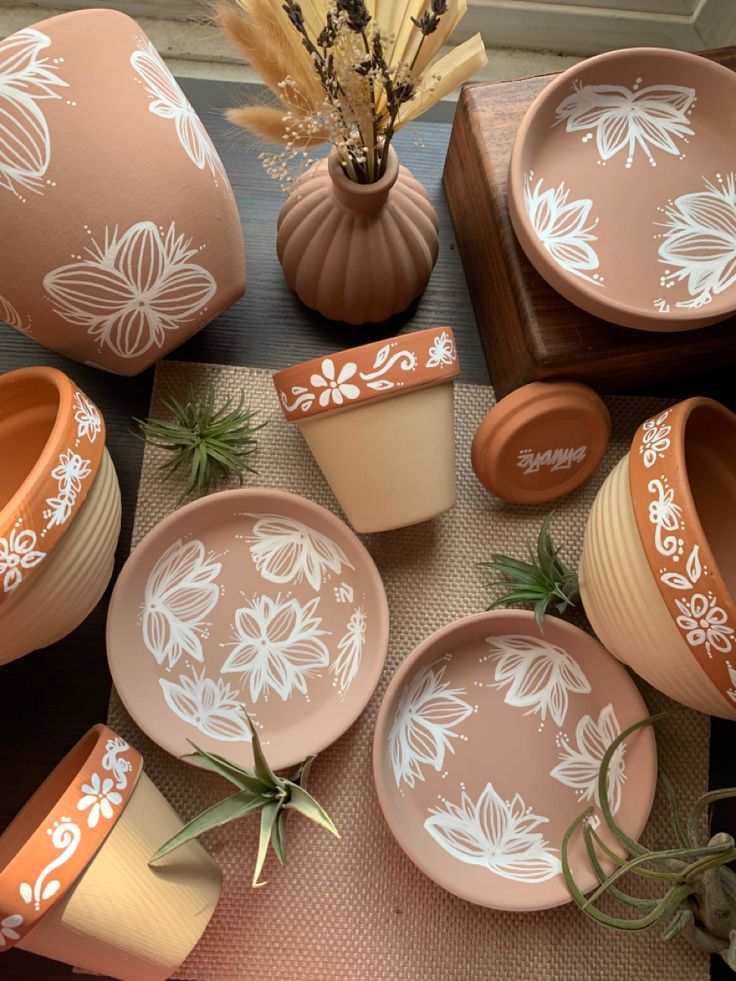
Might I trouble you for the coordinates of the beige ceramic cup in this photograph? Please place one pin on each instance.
(97, 904)
(657, 575)
(59, 509)
(379, 420)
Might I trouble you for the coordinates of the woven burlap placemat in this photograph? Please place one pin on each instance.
(357, 908)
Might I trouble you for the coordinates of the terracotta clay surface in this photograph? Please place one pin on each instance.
(62, 827)
(126, 238)
(683, 490)
(250, 601)
(622, 185)
(488, 745)
(372, 371)
(357, 252)
(541, 442)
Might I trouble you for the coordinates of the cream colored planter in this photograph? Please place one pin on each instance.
(389, 463)
(379, 420)
(71, 582)
(75, 883)
(666, 609)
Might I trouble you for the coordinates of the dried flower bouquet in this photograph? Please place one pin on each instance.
(346, 72)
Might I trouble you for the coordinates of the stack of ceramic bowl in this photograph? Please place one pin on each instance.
(622, 188)
(59, 509)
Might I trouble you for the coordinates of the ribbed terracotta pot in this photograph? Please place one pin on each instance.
(59, 509)
(125, 235)
(379, 420)
(75, 883)
(658, 570)
(357, 252)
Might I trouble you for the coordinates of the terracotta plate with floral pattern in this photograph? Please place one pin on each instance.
(622, 188)
(488, 745)
(252, 601)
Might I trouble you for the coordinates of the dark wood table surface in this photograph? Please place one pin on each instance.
(49, 699)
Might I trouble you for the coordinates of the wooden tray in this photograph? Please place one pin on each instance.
(529, 331)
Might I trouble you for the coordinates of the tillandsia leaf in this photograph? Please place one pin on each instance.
(674, 812)
(700, 902)
(260, 790)
(543, 581)
(211, 442)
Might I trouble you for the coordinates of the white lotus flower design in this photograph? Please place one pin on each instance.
(279, 646)
(69, 473)
(624, 119)
(18, 553)
(9, 928)
(540, 676)
(169, 102)
(699, 243)
(350, 647)
(563, 227)
(10, 315)
(284, 551)
(442, 351)
(133, 289)
(579, 767)
(180, 593)
(99, 799)
(425, 724)
(87, 418)
(212, 707)
(26, 78)
(496, 834)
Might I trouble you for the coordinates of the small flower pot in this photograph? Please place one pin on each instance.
(379, 420)
(357, 252)
(75, 883)
(59, 509)
(126, 237)
(658, 570)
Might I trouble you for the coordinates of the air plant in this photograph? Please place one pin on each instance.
(543, 581)
(259, 791)
(211, 442)
(346, 72)
(700, 901)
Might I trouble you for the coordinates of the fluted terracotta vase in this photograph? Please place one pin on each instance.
(120, 234)
(357, 252)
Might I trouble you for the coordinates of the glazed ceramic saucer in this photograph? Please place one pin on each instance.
(488, 745)
(250, 601)
(622, 188)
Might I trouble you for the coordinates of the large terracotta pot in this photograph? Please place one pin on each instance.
(59, 509)
(658, 570)
(379, 420)
(75, 883)
(123, 238)
(357, 252)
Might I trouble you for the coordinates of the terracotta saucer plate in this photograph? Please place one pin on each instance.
(252, 601)
(622, 188)
(488, 745)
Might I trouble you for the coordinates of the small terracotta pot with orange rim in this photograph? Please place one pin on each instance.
(379, 420)
(658, 570)
(75, 883)
(357, 252)
(59, 509)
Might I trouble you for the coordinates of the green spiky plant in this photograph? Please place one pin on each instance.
(700, 900)
(543, 581)
(260, 791)
(211, 442)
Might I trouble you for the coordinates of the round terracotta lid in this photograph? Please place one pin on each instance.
(541, 441)
(248, 601)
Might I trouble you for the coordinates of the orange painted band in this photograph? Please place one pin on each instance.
(373, 371)
(676, 547)
(44, 506)
(55, 852)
